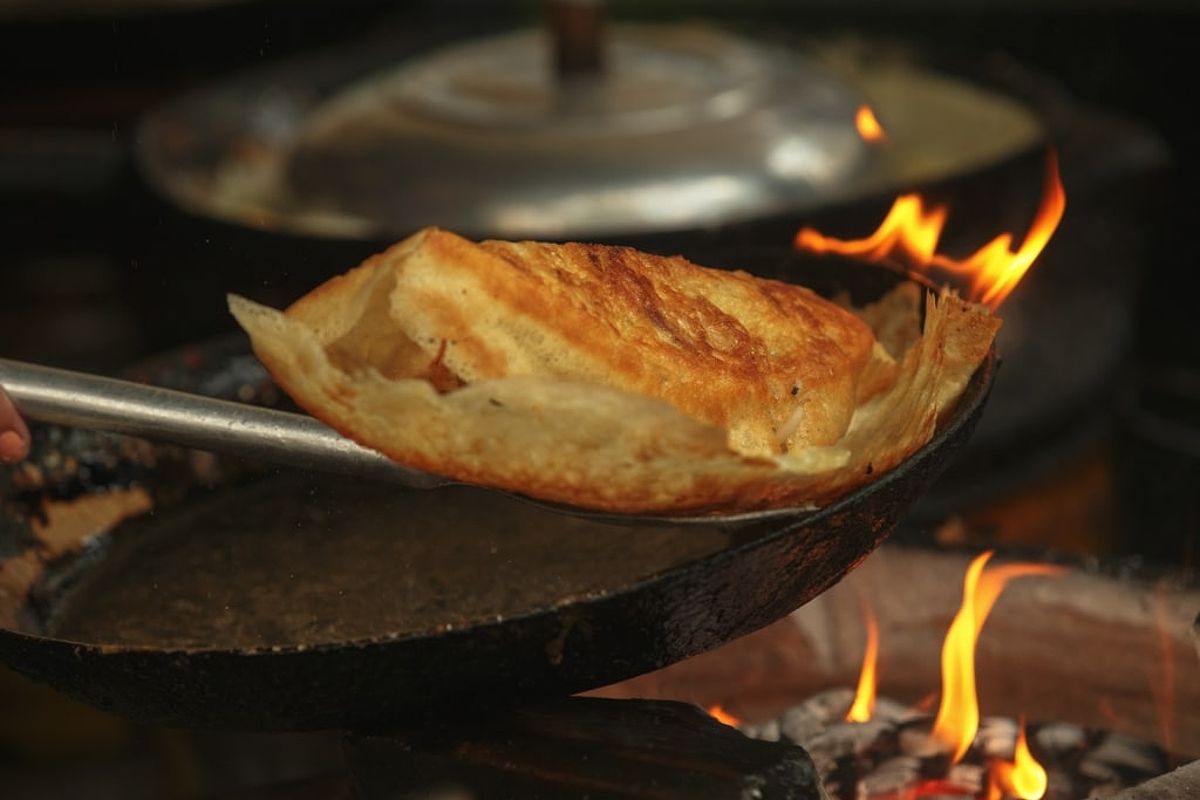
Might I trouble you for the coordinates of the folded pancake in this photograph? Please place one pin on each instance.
(613, 379)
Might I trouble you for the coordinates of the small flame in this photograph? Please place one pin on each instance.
(724, 717)
(1022, 777)
(864, 697)
(910, 234)
(908, 230)
(868, 125)
(958, 715)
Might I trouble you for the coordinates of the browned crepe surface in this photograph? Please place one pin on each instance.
(614, 379)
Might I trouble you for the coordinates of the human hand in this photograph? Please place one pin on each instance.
(14, 435)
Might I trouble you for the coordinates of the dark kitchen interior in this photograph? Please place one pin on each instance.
(1087, 455)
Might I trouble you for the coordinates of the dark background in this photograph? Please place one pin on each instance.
(77, 75)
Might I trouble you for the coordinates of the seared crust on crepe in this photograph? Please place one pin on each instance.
(613, 379)
(728, 349)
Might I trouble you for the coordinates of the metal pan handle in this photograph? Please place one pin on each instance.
(77, 399)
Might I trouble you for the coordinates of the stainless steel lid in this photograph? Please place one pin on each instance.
(686, 127)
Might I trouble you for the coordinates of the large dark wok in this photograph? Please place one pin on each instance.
(228, 596)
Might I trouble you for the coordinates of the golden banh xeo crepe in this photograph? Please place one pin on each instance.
(617, 380)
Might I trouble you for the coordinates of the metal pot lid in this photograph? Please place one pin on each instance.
(687, 128)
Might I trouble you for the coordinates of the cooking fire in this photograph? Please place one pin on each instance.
(873, 748)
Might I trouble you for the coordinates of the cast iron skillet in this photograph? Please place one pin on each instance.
(285, 601)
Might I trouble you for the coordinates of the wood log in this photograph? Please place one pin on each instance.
(582, 747)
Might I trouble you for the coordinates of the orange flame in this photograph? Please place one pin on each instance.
(868, 126)
(724, 717)
(958, 715)
(864, 697)
(910, 234)
(908, 230)
(1022, 777)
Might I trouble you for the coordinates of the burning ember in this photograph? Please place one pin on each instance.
(868, 126)
(909, 236)
(724, 717)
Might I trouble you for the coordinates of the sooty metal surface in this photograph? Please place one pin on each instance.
(325, 562)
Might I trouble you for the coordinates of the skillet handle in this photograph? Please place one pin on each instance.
(81, 400)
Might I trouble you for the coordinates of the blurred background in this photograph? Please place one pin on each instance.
(79, 75)
(1091, 444)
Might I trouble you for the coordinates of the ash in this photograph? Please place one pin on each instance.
(893, 754)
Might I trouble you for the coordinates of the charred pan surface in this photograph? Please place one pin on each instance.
(77, 485)
(352, 561)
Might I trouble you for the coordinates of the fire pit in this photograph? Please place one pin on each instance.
(1102, 664)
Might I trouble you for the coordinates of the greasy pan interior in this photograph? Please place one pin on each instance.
(233, 598)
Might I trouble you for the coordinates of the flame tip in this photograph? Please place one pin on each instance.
(868, 125)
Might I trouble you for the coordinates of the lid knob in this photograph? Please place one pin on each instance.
(577, 27)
